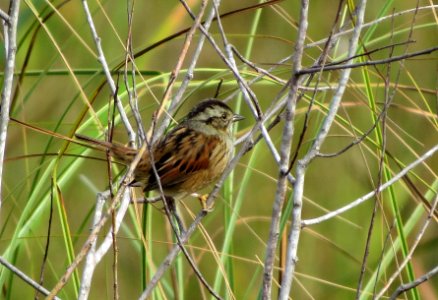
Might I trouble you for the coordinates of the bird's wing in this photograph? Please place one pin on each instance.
(181, 153)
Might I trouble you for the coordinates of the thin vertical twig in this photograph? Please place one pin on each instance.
(302, 164)
(90, 263)
(285, 147)
(381, 118)
(183, 52)
(131, 88)
(110, 81)
(176, 229)
(10, 32)
(192, 65)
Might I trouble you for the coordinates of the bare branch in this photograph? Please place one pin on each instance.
(26, 278)
(406, 287)
(368, 196)
(176, 70)
(298, 189)
(103, 62)
(5, 17)
(369, 63)
(91, 263)
(374, 22)
(285, 147)
(189, 74)
(93, 235)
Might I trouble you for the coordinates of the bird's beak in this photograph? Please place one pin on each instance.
(237, 117)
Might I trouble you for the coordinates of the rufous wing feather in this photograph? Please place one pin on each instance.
(180, 155)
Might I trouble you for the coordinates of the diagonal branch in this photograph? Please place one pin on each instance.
(335, 66)
(98, 227)
(5, 17)
(26, 278)
(406, 287)
(368, 196)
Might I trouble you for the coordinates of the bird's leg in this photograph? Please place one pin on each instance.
(203, 200)
(174, 212)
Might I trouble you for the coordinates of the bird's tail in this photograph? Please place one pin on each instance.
(121, 153)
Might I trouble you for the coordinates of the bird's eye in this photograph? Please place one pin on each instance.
(224, 116)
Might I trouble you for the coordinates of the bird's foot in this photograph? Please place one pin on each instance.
(203, 200)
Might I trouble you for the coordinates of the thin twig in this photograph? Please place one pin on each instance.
(374, 22)
(176, 101)
(114, 228)
(368, 196)
(5, 17)
(256, 68)
(10, 38)
(408, 257)
(380, 260)
(389, 97)
(90, 262)
(406, 287)
(369, 52)
(26, 278)
(110, 81)
(184, 49)
(132, 91)
(370, 62)
(164, 103)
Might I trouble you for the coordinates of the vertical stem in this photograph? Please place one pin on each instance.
(302, 164)
(10, 31)
(286, 144)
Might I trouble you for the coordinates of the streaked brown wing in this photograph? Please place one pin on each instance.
(182, 153)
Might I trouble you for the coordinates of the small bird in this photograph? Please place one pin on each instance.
(189, 157)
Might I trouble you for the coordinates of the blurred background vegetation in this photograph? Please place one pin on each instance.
(59, 71)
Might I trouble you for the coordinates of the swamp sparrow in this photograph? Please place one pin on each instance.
(189, 157)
